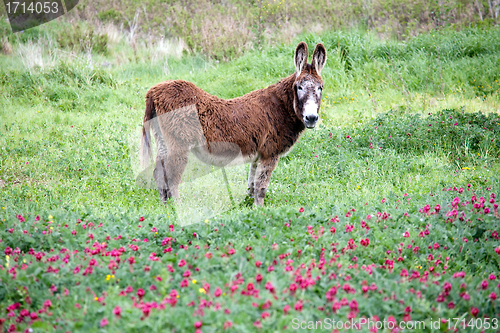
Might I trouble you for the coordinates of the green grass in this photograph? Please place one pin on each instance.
(66, 129)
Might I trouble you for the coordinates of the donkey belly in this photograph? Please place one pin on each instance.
(222, 154)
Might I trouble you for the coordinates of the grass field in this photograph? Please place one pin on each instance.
(386, 211)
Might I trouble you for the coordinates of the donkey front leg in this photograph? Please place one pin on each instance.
(262, 177)
(251, 178)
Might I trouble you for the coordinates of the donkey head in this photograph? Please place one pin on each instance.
(308, 84)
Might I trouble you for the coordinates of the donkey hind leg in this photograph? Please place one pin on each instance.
(251, 178)
(159, 173)
(262, 177)
(176, 162)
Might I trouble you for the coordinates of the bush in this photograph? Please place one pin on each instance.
(80, 39)
(463, 137)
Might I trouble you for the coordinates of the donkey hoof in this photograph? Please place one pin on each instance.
(164, 195)
(259, 201)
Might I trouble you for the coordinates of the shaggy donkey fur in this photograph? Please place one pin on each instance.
(257, 127)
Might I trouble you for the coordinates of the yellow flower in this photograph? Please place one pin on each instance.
(50, 217)
(202, 291)
(112, 276)
(194, 281)
(96, 298)
(206, 221)
(107, 277)
(3, 207)
(177, 296)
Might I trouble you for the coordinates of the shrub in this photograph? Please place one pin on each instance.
(80, 39)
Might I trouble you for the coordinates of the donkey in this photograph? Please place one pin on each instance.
(257, 127)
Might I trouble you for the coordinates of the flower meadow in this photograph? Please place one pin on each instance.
(256, 273)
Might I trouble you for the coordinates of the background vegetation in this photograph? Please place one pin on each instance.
(225, 29)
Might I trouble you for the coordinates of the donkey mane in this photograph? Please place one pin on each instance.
(262, 124)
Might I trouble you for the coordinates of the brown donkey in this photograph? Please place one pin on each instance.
(257, 127)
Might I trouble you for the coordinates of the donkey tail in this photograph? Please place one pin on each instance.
(145, 150)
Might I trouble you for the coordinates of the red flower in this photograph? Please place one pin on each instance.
(104, 322)
(140, 293)
(298, 306)
(258, 263)
(484, 284)
(198, 324)
(301, 210)
(117, 311)
(474, 311)
(270, 287)
(141, 218)
(217, 292)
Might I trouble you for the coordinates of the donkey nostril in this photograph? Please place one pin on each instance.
(311, 118)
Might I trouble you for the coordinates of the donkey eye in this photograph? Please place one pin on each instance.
(299, 88)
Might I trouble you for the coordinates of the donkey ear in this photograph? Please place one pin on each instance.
(319, 58)
(301, 54)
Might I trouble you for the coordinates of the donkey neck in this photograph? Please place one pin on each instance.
(283, 90)
(285, 126)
